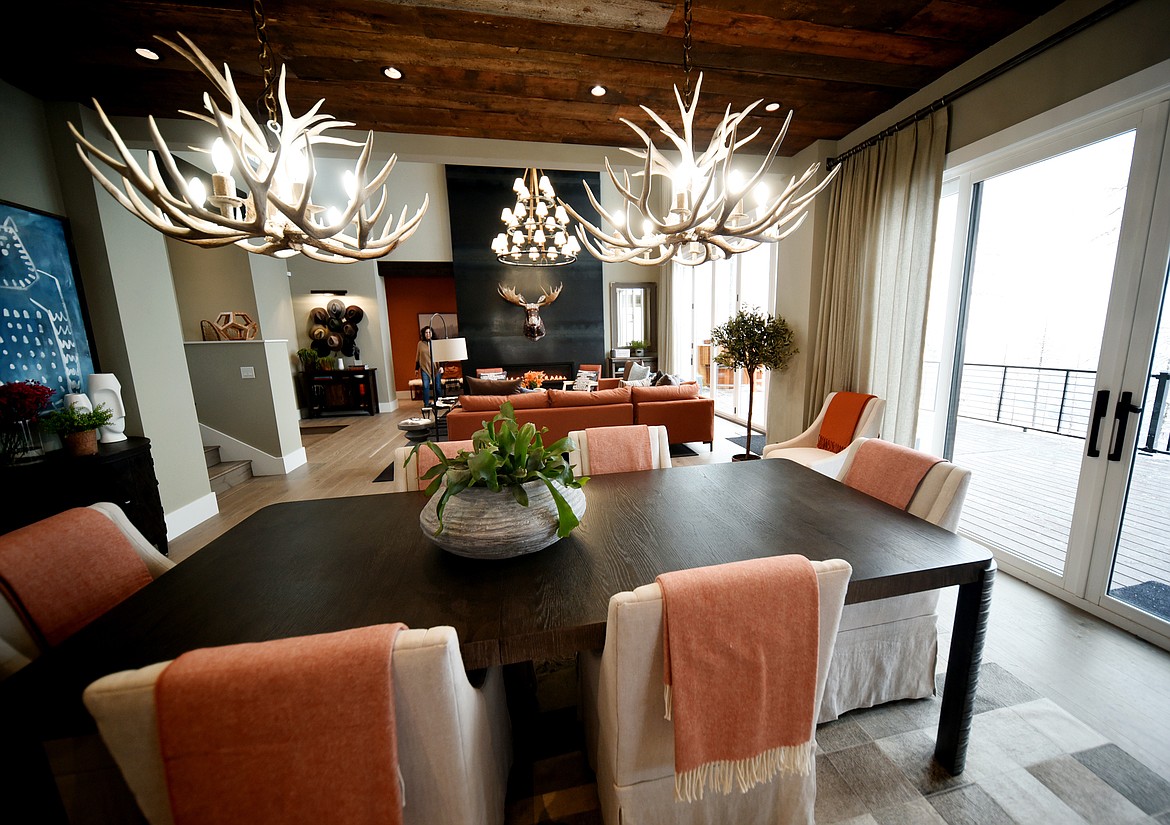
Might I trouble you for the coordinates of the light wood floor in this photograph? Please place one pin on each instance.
(1111, 680)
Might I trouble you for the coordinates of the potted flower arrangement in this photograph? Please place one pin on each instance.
(20, 401)
(533, 379)
(750, 340)
(78, 426)
(509, 495)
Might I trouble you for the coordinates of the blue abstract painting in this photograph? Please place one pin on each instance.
(42, 326)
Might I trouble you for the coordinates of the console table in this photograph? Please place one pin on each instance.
(616, 367)
(330, 391)
(122, 473)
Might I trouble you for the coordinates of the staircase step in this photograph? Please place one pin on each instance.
(227, 474)
(211, 456)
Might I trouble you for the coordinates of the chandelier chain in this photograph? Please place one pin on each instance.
(687, 25)
(267, 62)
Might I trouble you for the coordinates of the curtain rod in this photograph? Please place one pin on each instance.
(1085, 22)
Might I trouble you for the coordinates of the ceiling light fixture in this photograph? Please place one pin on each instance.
(276, 165)
(392, 73)
(537, 228)
(706, 219)
(772, 107)
(597, 91)
(149, 54)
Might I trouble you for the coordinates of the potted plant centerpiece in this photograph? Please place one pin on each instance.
(750, 340)
(78, 426)
(509, 495)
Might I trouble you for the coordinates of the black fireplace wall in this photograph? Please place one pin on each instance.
(493, 327)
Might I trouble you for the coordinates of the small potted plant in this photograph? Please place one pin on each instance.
(637, 348)
(509, 495)
(308, 359)
(533, 379)
(78, 426)
(750, 340)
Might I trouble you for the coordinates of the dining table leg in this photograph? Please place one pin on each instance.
(958, 701)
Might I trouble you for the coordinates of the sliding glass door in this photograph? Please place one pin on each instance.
(1048, 360)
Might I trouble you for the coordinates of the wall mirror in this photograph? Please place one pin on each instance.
(633, 314)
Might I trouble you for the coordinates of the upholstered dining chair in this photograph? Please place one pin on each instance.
(59, 574)
(804, 449)
(888, 649)
(600, 450)
(453, 740)
(631, 744)
(408, 471)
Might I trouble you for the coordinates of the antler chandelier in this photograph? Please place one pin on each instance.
(706, 219)
(275, 163)
(537, 229)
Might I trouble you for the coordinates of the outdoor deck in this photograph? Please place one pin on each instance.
(1021, 499)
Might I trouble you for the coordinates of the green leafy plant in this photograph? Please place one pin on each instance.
(308, 357)
(636, 344)
(750, 340)
(504, 456)
(327, 362)
(75, 419)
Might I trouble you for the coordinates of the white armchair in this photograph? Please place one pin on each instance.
(631, 745)
(888, 649)
(453, 740)
(803, 448)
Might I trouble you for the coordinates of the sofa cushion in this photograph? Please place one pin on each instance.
(665, 379)
(575, 398)
(488, 386)
(519, 401)
(641, 394)
(635, 372)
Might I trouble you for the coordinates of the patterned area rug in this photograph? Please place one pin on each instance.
(1029, 762)
(758, 442)
(1152, 597)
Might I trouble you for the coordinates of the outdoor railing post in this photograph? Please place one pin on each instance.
(1156, 413)
(1063, 395)
(1002, 384)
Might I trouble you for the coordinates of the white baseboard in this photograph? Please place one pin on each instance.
(263, 464)
(389, 406)
(190, 515)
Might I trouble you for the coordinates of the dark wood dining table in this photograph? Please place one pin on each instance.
(306, 567)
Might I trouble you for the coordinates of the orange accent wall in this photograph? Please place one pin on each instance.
(406, 297)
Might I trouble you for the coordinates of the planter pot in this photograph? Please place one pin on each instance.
(84, 443)
(480, 524)
(746, 457)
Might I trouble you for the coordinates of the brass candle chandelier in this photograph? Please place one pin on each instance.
(707, 218)
(536, 229)
(275, 163)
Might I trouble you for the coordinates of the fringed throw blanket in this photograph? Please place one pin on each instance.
(291, 731)
(740, 646)
(619, 449)
(888, 472)
(841, 420)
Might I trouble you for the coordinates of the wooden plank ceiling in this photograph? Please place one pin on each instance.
(517, 69)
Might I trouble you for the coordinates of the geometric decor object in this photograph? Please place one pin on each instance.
(230, 326)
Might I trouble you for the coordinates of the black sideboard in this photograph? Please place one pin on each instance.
(122, 473)
(332, 391)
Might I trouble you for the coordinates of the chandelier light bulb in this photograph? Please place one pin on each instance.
(349, 183)
(506, 216)
(221, 157)
(332, 216)
(761, 193)
(198, 190)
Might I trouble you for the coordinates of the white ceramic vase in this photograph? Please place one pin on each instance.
(481, 524)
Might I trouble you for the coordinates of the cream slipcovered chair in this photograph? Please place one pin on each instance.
(888, 649)
(407, 470)
(85, 586)
(631, 745)
(610, 445)
(453, 740)
(803, 448)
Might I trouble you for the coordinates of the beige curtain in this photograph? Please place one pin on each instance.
(879, 246)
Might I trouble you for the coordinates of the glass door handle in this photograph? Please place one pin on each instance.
(1124, 409)
(1100, 406)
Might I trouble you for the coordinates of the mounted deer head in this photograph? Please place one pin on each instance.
(533, 325)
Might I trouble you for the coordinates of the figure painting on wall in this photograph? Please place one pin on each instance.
(42, 326)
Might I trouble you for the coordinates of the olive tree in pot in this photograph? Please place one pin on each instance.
(751, 340)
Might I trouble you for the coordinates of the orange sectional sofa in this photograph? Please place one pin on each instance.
(686, 416)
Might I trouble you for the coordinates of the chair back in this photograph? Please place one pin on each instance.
(869, 423)
(453, 740)
(59, 574)
(635, 742)
(940, 495)
(615, 449)
(408, 471)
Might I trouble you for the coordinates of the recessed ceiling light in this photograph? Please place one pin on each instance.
(597, 91)
(392, 73)
(771, 107)
(149, 54)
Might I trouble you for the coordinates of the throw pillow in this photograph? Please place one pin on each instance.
(487, 386)
(636, 372)
(584, 379)
(645, 382)
(667, 380)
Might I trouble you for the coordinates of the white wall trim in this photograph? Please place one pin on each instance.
(263, 464)
(389, 406)
(191, 515)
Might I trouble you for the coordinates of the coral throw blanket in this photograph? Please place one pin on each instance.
(888, 471)
(290, 731)
(740, 645)
(62, 572)
(841, 420)
(619, 449)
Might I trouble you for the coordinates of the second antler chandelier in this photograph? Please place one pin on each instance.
(706, 219)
